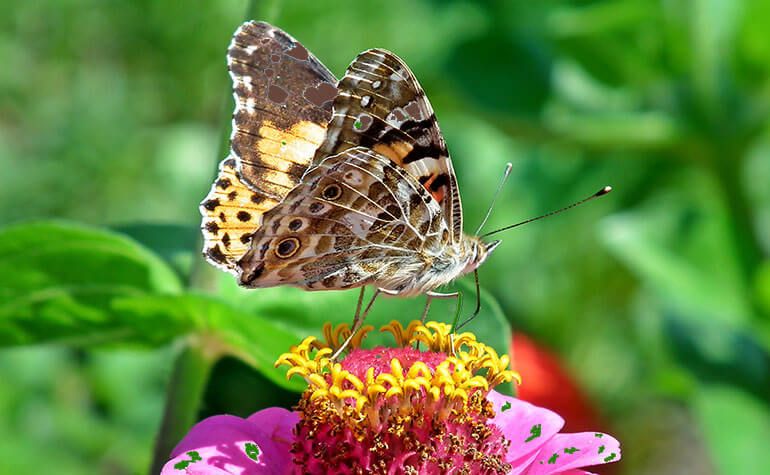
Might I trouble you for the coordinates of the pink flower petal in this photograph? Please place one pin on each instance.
(526, 426)
(232, 445)
(278, 422)
(569, 451)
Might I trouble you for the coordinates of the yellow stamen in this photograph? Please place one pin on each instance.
(471, 366)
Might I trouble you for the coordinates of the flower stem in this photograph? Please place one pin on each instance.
(185, 391)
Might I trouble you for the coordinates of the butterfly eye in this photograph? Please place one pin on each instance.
(332, 192)
(287, 247)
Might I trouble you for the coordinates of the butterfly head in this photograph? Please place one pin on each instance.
(479, 251)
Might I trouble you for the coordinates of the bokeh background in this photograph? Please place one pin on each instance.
(652, 304)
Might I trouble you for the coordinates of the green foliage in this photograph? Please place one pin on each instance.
(657, 297)
(737, 425)
(60, 283)
(218, 325)
(80, 412)
(83, 286)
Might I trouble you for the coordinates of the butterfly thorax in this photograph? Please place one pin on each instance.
(440, 266)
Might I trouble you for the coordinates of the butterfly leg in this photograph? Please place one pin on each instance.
(435, 295)
(428, 300)
(426, 308)
(358, 320)
(478, 303)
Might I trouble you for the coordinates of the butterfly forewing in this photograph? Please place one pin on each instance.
(381, 106)
(283, 99)
(355, 219)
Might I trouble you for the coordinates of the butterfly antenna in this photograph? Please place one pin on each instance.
(506, 174)
(599, 193)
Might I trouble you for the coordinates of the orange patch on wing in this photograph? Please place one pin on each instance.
(231, 212)
(279, 149)
(395, 151)
(437, 195)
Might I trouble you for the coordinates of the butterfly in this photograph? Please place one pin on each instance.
(332, 184)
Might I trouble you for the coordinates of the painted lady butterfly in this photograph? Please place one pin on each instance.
(334, 185)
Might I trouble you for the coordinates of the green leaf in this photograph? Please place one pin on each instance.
(592, 20)
(177, 244)
(613, 129)
(499, 89)
(736, 427)
(589, 34)
(713, 26)
(762, 295)
(58, 282)
(217, 327)
(683, 259)
(762, 285)
(719, 354)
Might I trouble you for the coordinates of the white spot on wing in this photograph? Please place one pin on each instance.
(354, 178)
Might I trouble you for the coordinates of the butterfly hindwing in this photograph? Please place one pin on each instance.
(283, 99)
(355, 219)
(230, 213)
(381, 106)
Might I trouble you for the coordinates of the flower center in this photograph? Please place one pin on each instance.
(417, 411)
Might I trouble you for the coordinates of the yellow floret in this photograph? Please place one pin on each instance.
(472, 366)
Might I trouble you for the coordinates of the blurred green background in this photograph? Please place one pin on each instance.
(656, 297)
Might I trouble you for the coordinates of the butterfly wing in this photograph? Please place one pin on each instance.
(355, 219)
(380, 105)
(283, 98)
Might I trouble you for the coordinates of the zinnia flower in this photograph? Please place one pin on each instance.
(401, 410)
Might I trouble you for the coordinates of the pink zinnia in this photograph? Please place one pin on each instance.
(394, 411)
